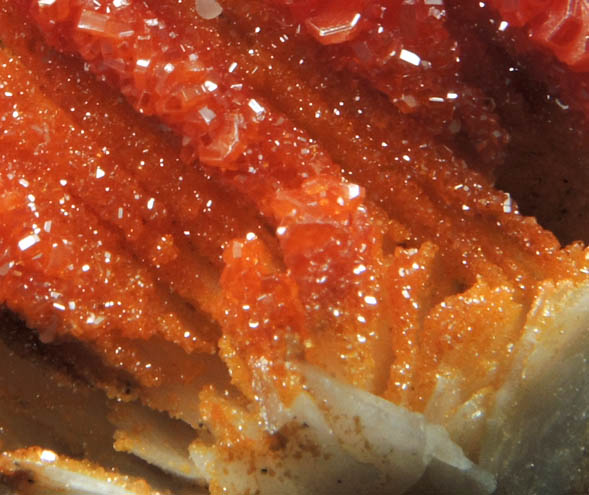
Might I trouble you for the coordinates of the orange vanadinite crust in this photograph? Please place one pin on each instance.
(417, 181)
(379, 268)
(406, 52)
(132, 146)
(269, 160)
(64, 269)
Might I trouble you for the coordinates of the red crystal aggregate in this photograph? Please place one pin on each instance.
(552, 38)
(405, 50)
(560, 25)
(369, 268)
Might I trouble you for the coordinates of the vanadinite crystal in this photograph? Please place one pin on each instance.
(243, 192)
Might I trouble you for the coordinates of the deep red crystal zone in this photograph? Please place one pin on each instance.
(154, 72)
(562, 26)
(366, 35)
(405, 51)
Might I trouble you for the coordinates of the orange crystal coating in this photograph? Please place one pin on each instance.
(379, 267)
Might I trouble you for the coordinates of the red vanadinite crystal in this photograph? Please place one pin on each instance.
(134, 51)
(560, 25)
(553, 36)
(276, 165)
(405, 51)
(369, 267)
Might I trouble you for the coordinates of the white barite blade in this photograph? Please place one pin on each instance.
(346, 441)
(44, 472)
(41, 405)
(538, 430)
(312, 462)
(155, 438)
(400, 443)
(180, 399)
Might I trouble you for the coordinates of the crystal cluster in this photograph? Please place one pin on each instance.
(406, 51)
(206, 202)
